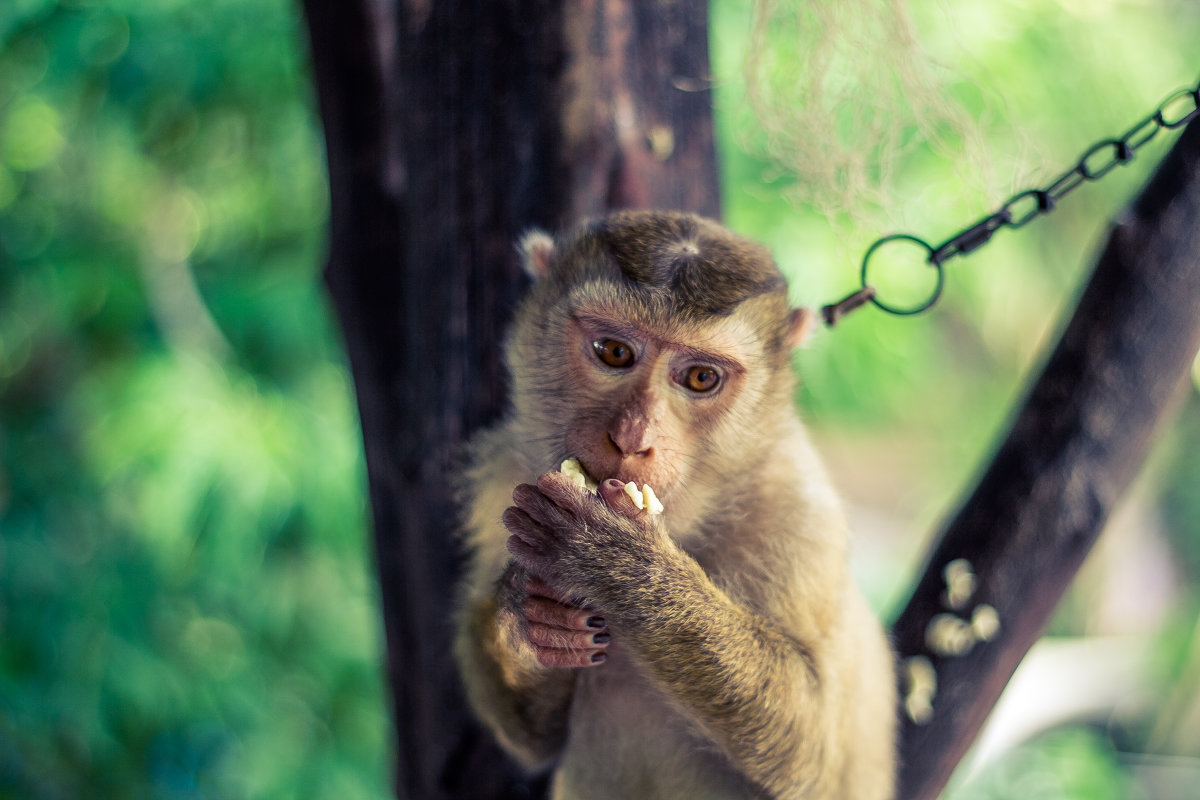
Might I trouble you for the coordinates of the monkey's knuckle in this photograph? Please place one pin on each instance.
(544, 635)
(539, 610)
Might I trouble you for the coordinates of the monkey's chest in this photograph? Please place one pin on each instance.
(627, 740)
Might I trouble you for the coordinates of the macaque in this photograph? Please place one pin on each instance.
(718, 649)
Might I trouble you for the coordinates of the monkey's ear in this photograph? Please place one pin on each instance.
(537, 250)
(800, 324)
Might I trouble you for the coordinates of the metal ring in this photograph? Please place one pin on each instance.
(937, 289)
(1193, 95)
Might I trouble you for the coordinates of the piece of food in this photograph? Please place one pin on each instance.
(651, 501)
(635, 494)
(643, 498)
(574, 470)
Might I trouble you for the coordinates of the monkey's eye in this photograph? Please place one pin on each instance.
(614, 353)
(701, 379)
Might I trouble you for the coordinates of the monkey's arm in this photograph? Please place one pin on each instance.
(767, 696)
(523, 702)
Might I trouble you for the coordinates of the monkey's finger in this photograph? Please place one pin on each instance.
(537, 586)
(558, 657)
(528, 555)
(539, 507)
(562, 492)
(613, 493)
(548, 612)
(530, 542)
(549, 636)
(520, 523)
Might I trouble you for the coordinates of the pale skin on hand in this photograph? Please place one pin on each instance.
(562, 633)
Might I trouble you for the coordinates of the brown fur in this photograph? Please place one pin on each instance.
(743, 662)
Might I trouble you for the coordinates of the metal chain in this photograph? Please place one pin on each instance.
(1177, 110)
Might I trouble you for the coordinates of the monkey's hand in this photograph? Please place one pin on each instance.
(563, 632)
(572, 536)
(524, 703)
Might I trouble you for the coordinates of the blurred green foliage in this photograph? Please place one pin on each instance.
(186, 606)
(186, 601)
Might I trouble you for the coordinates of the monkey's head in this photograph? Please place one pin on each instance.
(654, 347)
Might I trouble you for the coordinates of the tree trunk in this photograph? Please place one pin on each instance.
(1076, 445)
(450, 127)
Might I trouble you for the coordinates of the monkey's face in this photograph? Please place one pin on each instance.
(646, 374)
(647, 397)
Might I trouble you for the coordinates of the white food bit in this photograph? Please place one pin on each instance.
(652, 503)
(922, 688)
(644, 498)
(960, 583)
(574, 470)
(631, 489)
(985, 623)
(947, 635)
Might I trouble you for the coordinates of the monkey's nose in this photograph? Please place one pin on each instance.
(631, 447)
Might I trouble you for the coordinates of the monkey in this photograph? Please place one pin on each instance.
(718, 649)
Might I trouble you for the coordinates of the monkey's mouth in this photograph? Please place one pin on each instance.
(582, 476)
(578, 474)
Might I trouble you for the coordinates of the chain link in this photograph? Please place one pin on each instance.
(1177, 110)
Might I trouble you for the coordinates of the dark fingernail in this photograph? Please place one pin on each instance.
(595, 622)
(602, 638)
(598, 657)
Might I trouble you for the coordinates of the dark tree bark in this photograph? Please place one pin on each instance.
(1073, 450)
(450, 127)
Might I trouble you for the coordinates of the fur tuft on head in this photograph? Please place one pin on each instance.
(537, 252)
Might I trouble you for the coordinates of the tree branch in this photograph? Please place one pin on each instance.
(1076, 445)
